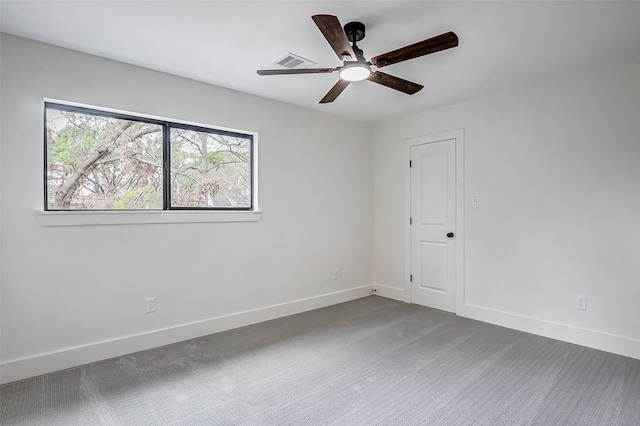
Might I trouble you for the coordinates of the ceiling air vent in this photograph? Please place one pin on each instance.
(292, 61)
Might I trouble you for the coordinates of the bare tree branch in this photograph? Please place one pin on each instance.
(64, 194)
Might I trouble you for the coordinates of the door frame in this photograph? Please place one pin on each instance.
(458, 136)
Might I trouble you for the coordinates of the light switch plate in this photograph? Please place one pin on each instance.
(581, 302)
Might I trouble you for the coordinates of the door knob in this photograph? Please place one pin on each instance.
(449, 234)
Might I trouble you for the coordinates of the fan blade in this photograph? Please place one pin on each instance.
(297, 71)
(333, 32)
(395, 82)
(335, 91)
(425, 47)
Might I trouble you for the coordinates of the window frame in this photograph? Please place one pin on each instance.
(166, 126)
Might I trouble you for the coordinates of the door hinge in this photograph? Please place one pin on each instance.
(409, 163)
(411, 278)
(410, 221)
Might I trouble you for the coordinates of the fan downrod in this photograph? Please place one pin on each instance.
(354, 31)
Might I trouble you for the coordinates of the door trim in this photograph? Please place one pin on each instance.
(458, 135)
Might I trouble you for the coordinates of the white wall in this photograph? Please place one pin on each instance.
(72, 295)
(556, 166)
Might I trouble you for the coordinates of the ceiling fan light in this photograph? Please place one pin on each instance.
(355, 72)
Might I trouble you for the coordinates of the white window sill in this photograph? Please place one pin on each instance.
(92, 218)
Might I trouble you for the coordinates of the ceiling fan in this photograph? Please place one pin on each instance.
(355, 67)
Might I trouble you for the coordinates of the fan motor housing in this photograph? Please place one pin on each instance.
(354, 30)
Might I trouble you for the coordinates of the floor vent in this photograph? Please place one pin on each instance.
(292, 61)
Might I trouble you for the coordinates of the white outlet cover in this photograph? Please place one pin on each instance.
(149, 305)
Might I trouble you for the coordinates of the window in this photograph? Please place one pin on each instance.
(98, 160)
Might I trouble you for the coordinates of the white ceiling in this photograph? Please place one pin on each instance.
(502, 44)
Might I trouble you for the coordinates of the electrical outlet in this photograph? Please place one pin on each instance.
(581, 302)
(475, 203)
(149, 305)
(336, 274)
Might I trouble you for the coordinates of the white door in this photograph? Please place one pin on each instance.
(433, 224)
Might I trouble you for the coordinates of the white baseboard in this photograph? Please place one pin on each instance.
(580, 336)
(391, 292)
(620, 345)
(23, 368)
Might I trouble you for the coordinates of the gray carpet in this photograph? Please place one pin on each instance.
(373, 361)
